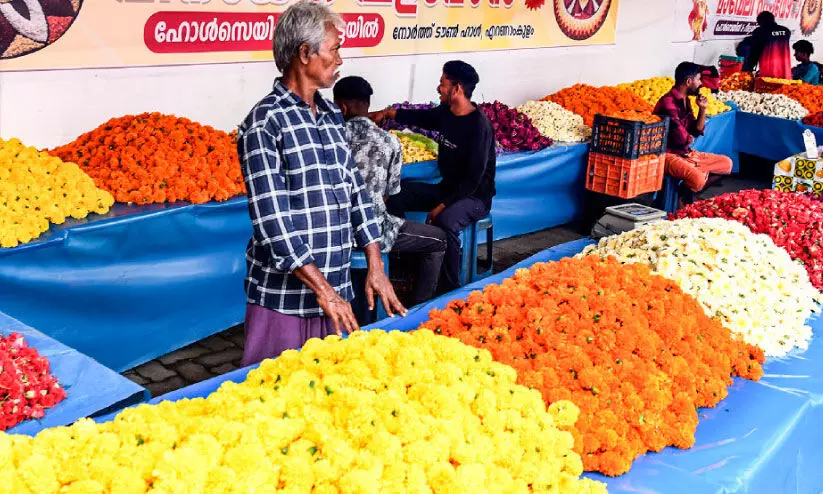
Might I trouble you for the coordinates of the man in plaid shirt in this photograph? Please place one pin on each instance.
(307, 201)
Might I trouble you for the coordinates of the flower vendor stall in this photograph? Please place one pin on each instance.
(134, 264)
(84, 387)
(760, 437)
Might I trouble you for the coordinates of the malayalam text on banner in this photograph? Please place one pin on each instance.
(53, 34)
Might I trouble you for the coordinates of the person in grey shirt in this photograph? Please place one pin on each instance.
(378, 155)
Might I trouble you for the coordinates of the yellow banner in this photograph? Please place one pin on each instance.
(55, 34)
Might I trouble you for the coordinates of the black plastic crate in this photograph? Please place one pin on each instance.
(627, 138)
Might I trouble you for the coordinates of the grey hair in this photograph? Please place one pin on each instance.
(305, 22)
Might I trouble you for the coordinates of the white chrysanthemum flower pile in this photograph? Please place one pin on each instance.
(770, 105)
(743, 278)
(556, 122)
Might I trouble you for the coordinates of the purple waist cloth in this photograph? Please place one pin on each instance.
(269, 333)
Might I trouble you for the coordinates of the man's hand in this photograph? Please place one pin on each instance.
(377, 283)
(380, 116)
(434, 213)
(339, 311)
(702, 102)
(333, 305)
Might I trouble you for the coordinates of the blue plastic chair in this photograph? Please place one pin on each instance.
(469, 272)
(358, 261)
(667, 197)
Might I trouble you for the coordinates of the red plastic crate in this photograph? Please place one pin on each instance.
(625, 178)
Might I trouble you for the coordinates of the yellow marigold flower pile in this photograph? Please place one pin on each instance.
(651, 90)
(378, 412)
(37, 189)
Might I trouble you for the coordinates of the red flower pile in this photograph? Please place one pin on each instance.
(814, 119)
(793, 221)
(513, 130)
(27, 388)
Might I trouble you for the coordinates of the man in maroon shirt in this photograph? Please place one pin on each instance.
(693, 167)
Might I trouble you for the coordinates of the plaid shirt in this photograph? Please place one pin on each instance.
(305, 195)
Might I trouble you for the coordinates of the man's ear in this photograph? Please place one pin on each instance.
(304, 53)
(344, 108)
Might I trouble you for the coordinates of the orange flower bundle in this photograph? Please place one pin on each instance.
(635, 353)
(635, 116)
(587, 101)
(156, 158)
(811, 97)
(739, 81)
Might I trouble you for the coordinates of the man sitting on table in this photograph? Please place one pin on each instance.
(307, 200)
(693, 167)
(379, 156)
(466, 160)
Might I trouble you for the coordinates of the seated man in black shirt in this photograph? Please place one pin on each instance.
(466, 160)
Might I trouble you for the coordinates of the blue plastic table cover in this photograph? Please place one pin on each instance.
(143, 281)
(770, 137)
(763, 438)
(91, 389)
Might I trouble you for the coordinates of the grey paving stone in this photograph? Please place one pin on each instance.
(192, 371)
(222, 357)
(223, 369)
(185, 353)
(216, 343)
(154, 371)
(135, 378)
(160, 388)
(237, 337)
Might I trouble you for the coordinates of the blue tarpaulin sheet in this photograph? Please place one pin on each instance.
(143, 281)
(771, 138)
(763, 438)
(90, 388)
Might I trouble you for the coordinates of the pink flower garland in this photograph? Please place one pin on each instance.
(27, 388)
(793, 221)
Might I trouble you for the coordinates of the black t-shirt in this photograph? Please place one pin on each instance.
(466, 157)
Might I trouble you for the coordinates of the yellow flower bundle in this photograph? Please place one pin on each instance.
(651, 90)
(377, 412)
(37, 189)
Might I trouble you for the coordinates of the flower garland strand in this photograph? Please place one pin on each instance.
(634, 352)
(744, 279)
(377, 412)
(156, 158)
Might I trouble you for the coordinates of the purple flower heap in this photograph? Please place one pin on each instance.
(513, 130)
(390, 124)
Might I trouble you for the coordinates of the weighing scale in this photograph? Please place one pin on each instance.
(625, 217)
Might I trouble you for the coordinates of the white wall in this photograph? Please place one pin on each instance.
(48, 108)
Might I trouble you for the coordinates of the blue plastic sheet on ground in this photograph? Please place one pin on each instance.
(763, 438)
(90, 387)
(143, 281)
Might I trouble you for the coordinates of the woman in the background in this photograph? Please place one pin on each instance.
(806, 71)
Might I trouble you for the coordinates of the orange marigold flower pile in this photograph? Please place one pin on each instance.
(587, 101)
(740, 81)
(635, 116)
(811, 97)
(156, 158)
(635, 353)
